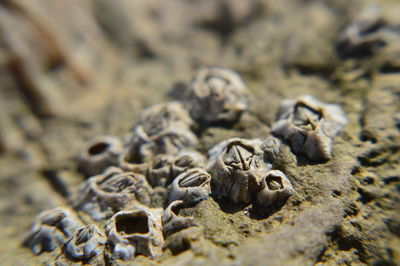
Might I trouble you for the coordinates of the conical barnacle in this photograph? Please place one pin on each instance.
(50, 230)
(275, 188)
(192, 186)
(216, 94)
(309, 125)
(86, 243)
(135, 232)
(161, 129)
(368, 32)
(99, 153)
(236, 167)
(103, 195)
(172, 222)
(164, 167)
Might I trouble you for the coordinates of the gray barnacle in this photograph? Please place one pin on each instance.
(236, 167)
(191, 186)
(161, 129)
(135, 232)
(309, 126)
(50, 230)
(164, 167)
(368, 32)
(86, 243)
(275, 189)
(99, 153)
(171, 220)
(103, 195)
(216, 94)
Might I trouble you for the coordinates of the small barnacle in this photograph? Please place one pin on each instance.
(368, 32)
(172, 222)
(103, 195)
(135, 232)
(161, 129)
(50, 230)
(236, 167)
(192, 186)
(86, 243)
(309, 126)
(275, 189)
(216, 94)
(164, 167)
(99, 153)
(188, 238)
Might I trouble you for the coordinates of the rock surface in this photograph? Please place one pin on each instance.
(64, 81)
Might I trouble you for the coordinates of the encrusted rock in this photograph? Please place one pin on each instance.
(161, 129)
(103, 195)
(237, 166)
(86, 243)
(188, 238)
(192, 186)
(172, 222)
(99, 153)
(135, 232)
(309, 126)
(216, 94)
(275, 189)
(51, 229)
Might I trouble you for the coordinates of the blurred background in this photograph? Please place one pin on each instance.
(73, 69)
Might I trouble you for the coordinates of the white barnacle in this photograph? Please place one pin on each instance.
(161, 129)
(237, 166)
(309, 126)
(51, 229)
(216, 94)
(275, 189)
(191, 186)
(103, 195)
(86, 243)
(135, 232)
(172, 221)
(99, 153)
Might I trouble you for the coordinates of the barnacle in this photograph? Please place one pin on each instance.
(103, 195)
(216, 94)
(86, 243)
(275, 188)
(99, 153)
(237, 165)
(164, 167)
(161, 129)
(172, 222)
(368, 32)
(192, 186)
(135, 232)
(309, 126)
(51, 229)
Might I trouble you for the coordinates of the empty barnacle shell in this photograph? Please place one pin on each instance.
(309, 126)
(161, 129)
(99, 153)
(216, 94)
(103, 195)
(191, 186)
(135, 232)
(172, 222)
(86, 243)
(236, 167)
(50, 230)
(275, 189)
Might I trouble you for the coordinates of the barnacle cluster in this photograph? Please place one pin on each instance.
(134, 191)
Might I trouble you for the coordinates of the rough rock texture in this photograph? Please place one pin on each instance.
(64, 81)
